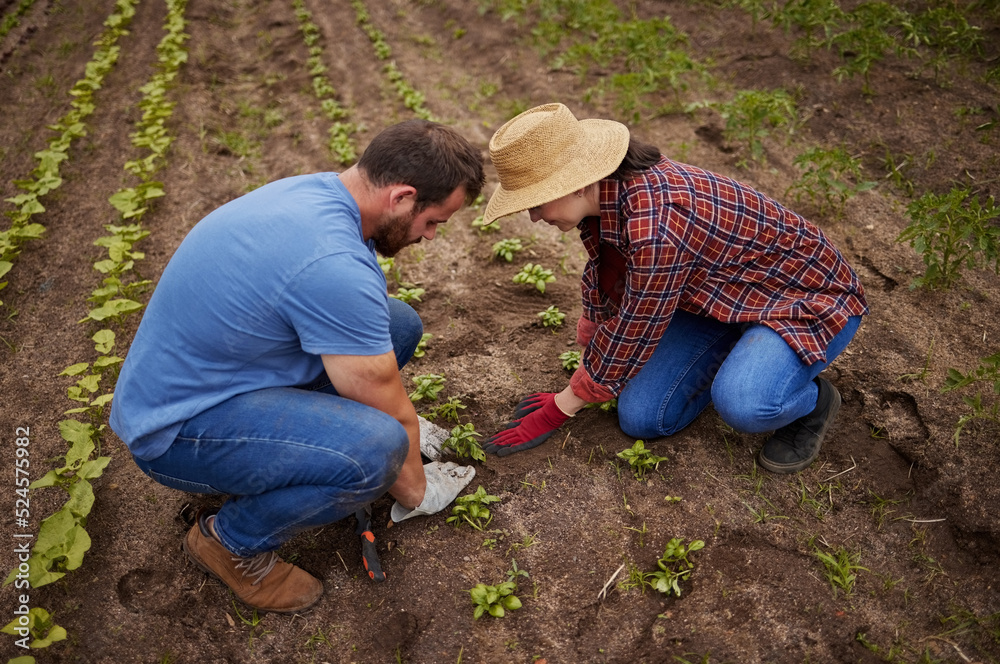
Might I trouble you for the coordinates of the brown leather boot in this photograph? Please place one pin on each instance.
(263, 581)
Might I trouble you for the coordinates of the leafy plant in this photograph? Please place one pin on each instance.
(551, 317)
(483, 228)
(988, 372)
(463, 441)
(640, 459)
(448, 410)
(408, 294)
(751, 115)
(839, 567)
(38, 626)
(506, 248)
(534, 275)
(471, 509)
(421, 348)
(570, 359)
(870, 32)
(428, 386)
(823, 180)
(674, 566)
(950, 231)
(494, 600)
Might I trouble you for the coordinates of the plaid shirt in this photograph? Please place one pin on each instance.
(679, 237)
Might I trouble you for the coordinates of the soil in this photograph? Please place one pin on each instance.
(891, 484)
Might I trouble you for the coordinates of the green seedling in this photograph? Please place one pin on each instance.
(471, 509)
(751, 116)
(674, 566)
(421, 348)
(570, 360)
(609, 406)
(463, 442)
(513, 573)
(551, 317)
(950, 231)
(448, 410)
(823, 179)
(839, 567)
(868, 35)
(640, 459)
(534, 275)
(987, 372)
(42, 631)
(409, 294)
(389, 268)
(506, 249)
(494, 600)
(483, 228)
(428, 386)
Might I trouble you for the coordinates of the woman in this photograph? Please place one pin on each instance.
(698, 289)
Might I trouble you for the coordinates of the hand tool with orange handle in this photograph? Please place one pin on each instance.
(369, 556)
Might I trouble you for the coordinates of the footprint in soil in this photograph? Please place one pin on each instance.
(397, 632)
(153, 591)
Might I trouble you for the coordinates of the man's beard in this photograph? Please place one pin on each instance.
(392, 234)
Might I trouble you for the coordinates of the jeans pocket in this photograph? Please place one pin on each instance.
(182, 485)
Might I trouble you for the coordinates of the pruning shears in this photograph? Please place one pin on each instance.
(369, 556)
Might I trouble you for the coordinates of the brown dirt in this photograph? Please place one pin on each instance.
(929, 591)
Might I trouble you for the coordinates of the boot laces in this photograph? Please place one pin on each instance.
(258, 566)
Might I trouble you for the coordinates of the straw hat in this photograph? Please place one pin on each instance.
(545, 153)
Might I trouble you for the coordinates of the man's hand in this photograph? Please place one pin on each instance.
(535, 419)
(445, 480)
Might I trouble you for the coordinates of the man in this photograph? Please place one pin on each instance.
(266, 366)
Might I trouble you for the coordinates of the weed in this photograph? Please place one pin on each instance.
(839, 567)
(551, 317)
(428, 386)
(879, 508)
(823, 180)
(534, 275)
(922, 374)
(570, 360)
(494, 600)
(987, 372)
(950, 231)
(640, 459)
(674, 566)
(471, 509)
(642, 533)
(506, 248)
(463, 441)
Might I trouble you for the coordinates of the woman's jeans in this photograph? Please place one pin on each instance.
(752, 376)
(291, 458)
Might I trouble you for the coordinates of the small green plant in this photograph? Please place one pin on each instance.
(674, 566)
(448, 410)
(839, 567)
(551, 317)
(640, 459)
(428, 386)
(868, 33)
(409, 294)
(751, 115)
(483, 228)
(570, 360)
(506, 248)
(389, 268)
(823, 180)
(421, 348)
(950, 231)
(987, 372)
(513, 573)
(471, 509)
(463, 442)
(534, 275)
(40, 630)
(494, 600)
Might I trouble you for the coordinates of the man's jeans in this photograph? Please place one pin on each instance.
(291, 458)
(752, 376)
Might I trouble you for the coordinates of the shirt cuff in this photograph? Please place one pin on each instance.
(585, 330)
(584, 387)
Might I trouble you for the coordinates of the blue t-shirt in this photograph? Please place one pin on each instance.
(256, 292)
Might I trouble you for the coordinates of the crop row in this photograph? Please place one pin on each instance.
(45, 177)
(14, 16)
(62, 539)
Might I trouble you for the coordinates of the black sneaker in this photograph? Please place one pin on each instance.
(794, 446)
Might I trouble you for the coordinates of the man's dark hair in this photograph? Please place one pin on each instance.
(432, 158)
(639, 157)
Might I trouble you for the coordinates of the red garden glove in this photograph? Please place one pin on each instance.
(535, 419)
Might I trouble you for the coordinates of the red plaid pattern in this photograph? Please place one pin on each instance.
(709, 245)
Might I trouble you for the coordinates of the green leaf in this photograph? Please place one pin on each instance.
(104, 341)
(496, 611)
(75, 369)
(511, 603)
(81, 498)
(93, 468)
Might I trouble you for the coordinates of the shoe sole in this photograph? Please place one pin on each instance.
(789, 468)
(207, 570)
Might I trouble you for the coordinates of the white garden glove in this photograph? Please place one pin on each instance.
(432, 437)
(445, 480)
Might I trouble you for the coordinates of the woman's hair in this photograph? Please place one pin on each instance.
(639, 157)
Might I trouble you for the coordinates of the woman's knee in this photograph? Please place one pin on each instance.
(742, 405)
(638, 419)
